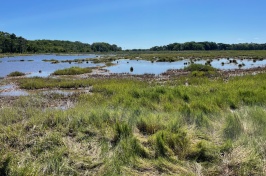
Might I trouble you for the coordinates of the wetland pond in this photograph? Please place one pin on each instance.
(35, 65)
(43, 66)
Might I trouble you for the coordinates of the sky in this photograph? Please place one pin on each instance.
(137, 24)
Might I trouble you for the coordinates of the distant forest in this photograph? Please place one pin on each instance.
(209, 46)
(10, 43)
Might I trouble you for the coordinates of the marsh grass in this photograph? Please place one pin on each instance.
(72, 71)
(193, 55)
(16, 73)
(127, 126)
(41, 83)
(199, 67)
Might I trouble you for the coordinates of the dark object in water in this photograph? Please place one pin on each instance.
(131, 69)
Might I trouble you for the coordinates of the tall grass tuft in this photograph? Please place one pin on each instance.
(169, 144)
(149, 125)
(233, 127)
(122, 131)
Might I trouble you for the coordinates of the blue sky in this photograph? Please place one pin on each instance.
(136, 23)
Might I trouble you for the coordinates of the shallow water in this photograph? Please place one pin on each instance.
(142, 67)
(9, 86)
(217, 63)
(14, 93)
(32, 65)
(10, 90)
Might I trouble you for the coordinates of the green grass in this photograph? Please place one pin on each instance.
(199, 70)
(72, 71)
(199, 67)
(133, 127)
(16, 73)
(50, 83)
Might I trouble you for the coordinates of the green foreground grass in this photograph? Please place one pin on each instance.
(130, 127)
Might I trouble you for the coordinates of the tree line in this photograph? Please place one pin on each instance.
(10, 43)
(208, 46)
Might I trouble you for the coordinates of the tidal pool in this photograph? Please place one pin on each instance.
(35, 66)
(144, 67)
(148, 67)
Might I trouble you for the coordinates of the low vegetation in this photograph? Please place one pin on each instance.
(132, 127)
(73, 71)
(170, 56)
(16, 73)
(201, 70)
(199, 67)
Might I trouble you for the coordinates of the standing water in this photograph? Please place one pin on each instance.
(35, 65)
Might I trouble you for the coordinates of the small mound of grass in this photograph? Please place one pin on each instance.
(72, 71)
(16, 73)
(108, 64)
(200, 67)
(198, 70)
